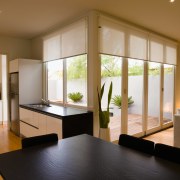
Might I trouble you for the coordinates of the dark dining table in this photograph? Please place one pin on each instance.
(84, 157)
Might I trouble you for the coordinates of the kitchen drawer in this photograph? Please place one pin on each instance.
(27, 130)
(28, 117)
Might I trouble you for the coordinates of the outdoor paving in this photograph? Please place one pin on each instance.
(134, 125)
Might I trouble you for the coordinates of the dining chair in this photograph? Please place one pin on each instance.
(36, 140)
(167, 152)
(139, 144)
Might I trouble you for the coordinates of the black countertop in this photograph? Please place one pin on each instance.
(56, 111)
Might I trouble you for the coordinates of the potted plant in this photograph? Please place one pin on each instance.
(75, 96)
(104, 118)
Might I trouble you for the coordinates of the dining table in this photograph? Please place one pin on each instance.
(84, 157)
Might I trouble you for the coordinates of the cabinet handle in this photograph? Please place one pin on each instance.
(29, 124)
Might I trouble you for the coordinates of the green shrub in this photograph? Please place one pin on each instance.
(117, 100)
(75, 96)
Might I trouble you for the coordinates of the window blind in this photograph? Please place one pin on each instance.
(156, 51)
(111, 38)
(171, 54)
(52, 48)
(66, 42)
(162, 50)
(121, 39)
(74, 39)
(137, 46)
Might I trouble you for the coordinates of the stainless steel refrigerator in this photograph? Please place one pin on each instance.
(14, 103)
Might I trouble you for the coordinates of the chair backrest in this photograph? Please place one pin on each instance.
(139, 144)
(167, 152)
(36, 140)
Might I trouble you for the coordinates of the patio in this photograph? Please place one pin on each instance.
(134, 125)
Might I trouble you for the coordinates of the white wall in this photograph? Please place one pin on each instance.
(15, 47)
(37, 48)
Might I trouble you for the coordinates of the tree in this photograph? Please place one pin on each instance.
(110, 66)
(77, 68)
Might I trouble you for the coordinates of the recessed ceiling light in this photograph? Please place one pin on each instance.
(171, 1)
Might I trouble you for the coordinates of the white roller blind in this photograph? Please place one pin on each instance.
(51, 48)
(74, 39)
(156, 51)
(111, 38)
(66, 42)
(137, 46)
(171, 55)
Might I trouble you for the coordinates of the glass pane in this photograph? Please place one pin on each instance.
(77, 80)
(55, 80)
(111, 70)
(168, 93)
(135, 96)
(153, 95)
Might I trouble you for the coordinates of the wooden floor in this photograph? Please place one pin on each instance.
(8, 141)
(165, 137)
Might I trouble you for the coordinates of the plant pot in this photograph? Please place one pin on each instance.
(104, 134)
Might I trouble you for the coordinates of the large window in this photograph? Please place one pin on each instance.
(143, 75)
(65, 55)
(68, 78)
(140, 65)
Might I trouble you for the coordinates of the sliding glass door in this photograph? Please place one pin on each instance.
(168, 93)
(154, 83)
(135, 96)
(143, 82)
(111, 71)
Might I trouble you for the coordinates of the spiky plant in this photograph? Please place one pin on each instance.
(117, 100)
(104, 115)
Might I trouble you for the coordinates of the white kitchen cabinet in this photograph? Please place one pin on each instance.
(27, 117)
(25, 87)
(33, 124)
(27, 130)
(54, 125)
(28, 124)
(41, 120)
(30, 79)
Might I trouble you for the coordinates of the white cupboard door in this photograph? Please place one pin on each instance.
(27, 130)
(28, 117)
(54, 125)
(41, 119)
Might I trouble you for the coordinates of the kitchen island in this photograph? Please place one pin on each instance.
(65, 121)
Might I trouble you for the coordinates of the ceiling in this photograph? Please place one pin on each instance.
(30, 18)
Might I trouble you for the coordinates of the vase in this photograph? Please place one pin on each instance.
(104, 134)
